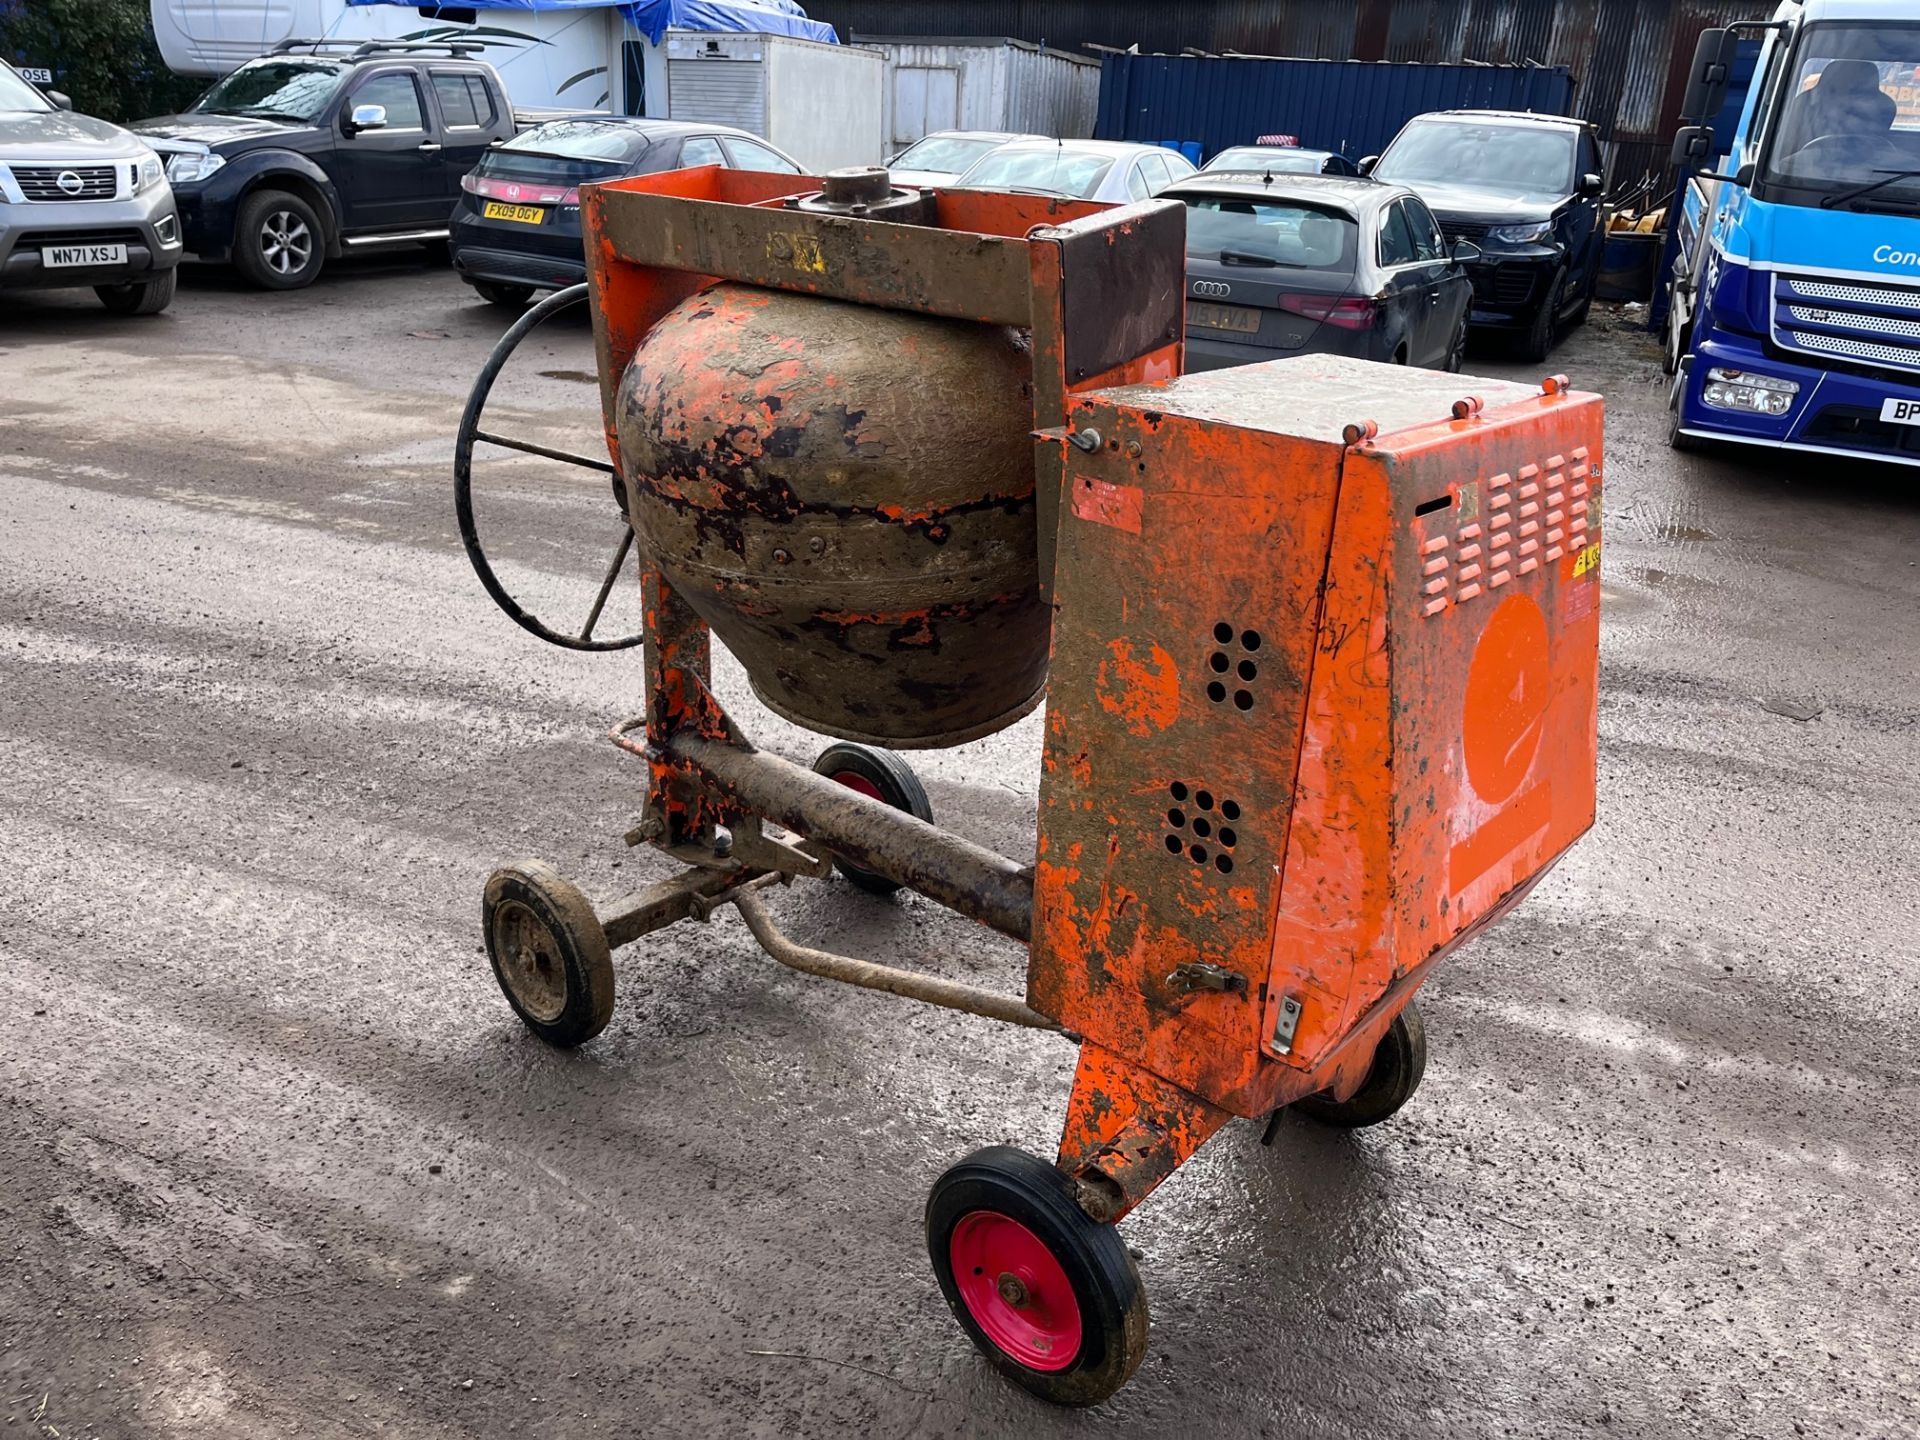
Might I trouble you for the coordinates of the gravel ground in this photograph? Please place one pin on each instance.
(275, 1159)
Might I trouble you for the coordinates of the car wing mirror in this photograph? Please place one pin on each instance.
(1592, 184)
(1465, 252)
(59, 100)
(1367, 164)
(367, 117)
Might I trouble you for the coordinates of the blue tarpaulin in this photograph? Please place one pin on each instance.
(653, 18)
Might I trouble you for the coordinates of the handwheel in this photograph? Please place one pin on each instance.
(470, 434)
(1398, 1063)
(1047, 1294)
(879, 775)
(548, 952)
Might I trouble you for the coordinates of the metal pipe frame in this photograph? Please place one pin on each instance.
(964, 877)
(928, 989)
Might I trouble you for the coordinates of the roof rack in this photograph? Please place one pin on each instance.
(361, 49)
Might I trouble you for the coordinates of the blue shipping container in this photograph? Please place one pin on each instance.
(1349, 106)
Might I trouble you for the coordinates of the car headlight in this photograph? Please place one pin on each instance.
(1522, 234)
(147, 173)
(191, 165)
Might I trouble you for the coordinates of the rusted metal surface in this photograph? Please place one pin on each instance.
(846, 496)
(1127, 1130)
(1121, 300)
(922, 268)
(688, 895)
(944, 867)
(1342, 753)
(928, 989)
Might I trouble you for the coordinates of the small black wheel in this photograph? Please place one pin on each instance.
(548, 952)
(880, 775)
(140, 297)
(1047, 1294)
(1537, 344)
(1398, 1063)
(507, 297)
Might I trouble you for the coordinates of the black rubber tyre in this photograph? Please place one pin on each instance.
(278, 242)
(884, 776)
(1537, 344)
(1683, 444)
(1398, 1063)
(507, 297)
(1673, 341)
(548, 952)
(1585, 307)
(1457, 347)
(974, 1200)
(140, 297)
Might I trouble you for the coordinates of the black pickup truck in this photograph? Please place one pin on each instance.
(323, 147)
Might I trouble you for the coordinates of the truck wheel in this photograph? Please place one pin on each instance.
(1674, 340)
(278, 243)
(507, 297)
(1684, 444)
(1538, 343)
(140, 297)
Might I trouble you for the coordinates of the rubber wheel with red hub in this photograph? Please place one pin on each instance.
(1046, 1293)
(879, 775)
(1399, 1061)
(549, 952)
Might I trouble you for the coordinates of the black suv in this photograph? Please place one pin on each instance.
(1526, 190)
(296, 156)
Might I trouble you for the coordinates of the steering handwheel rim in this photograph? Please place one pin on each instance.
(470, 432)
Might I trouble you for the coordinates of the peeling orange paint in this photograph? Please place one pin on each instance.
(1144, 694)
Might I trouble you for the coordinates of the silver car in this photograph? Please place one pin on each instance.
(1115, 171)
(940, 157)
(82, 203)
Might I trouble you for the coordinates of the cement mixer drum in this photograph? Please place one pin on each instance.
(846, 495)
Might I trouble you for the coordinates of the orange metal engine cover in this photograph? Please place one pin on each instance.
(1324, 696)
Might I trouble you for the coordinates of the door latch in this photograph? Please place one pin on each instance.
(1197, 975)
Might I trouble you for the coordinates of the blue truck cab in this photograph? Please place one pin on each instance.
(1794, 316)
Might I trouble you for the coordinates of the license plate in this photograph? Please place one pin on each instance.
(60, 256)
(520, 214)
(1238, 318)
(1901, 412)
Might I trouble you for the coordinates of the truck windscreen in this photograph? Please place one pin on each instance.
(1848, 117)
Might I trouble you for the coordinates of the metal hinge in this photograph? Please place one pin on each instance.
(1285, 1023)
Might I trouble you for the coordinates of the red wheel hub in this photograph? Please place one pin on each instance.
(1015, 1290)
(858, 783)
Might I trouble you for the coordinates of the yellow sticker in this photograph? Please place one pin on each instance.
(801, 251)
(1587, 559)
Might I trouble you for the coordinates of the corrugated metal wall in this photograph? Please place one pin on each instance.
(996, 84)
(1350, 107)
(1627, 58)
